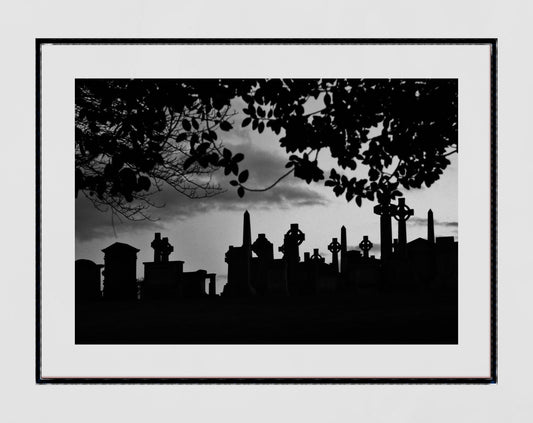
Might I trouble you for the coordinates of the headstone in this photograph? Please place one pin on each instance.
(365, 245)
(291, 245)
(120, 271)
(316, 256)
(156, 245)
(162, 280)
(334, 247)
(344, 248)
(385, 211)
(292, 240)
(193, 284)
(166, 249)
(263, 248)
(162, 277)
(212, 277)
(402, 213)
(238, 284)
(87, 280)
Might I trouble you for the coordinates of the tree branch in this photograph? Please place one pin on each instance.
(270, 186)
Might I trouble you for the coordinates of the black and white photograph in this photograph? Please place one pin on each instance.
(278, 218)
(243, 212)
(266, 211)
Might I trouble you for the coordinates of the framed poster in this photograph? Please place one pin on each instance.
(266, 211)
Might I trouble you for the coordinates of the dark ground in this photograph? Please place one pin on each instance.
(385, 318)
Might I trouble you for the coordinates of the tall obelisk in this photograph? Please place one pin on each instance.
(431, 228)
(343, 250)
(247, 232)
(247, 289)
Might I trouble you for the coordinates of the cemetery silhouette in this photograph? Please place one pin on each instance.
(423, 270)
(429, 263)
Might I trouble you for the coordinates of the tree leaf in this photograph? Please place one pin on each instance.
(226, 126)
(243, 176)
(373, 174)
(240, 192)
(349, 195)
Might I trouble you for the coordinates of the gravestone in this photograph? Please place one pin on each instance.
(290, 249)
(385, 210)
(157, 246)
(264, 250)
(365, 245)
(323, 277)
(334, 247)
(316, 257)
(402, 213)
(292, 241)
(87, 280)
(237, 284)
(120, 272)
(192, 284)
(162, 277)
(239, 261)
(212, 284)
(166, 249)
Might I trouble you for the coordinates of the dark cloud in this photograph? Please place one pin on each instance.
(91, 223)
(448, 224)
(422, 221)
(417, 221)
(263, 158)
(264, 166)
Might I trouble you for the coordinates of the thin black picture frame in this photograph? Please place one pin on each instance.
(492, 42)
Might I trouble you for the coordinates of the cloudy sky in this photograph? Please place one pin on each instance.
(202, 229)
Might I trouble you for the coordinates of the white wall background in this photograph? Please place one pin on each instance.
(21, 23)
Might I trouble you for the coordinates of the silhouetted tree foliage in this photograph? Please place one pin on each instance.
(133, 137)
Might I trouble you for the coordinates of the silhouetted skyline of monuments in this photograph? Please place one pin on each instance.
(430, 263)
